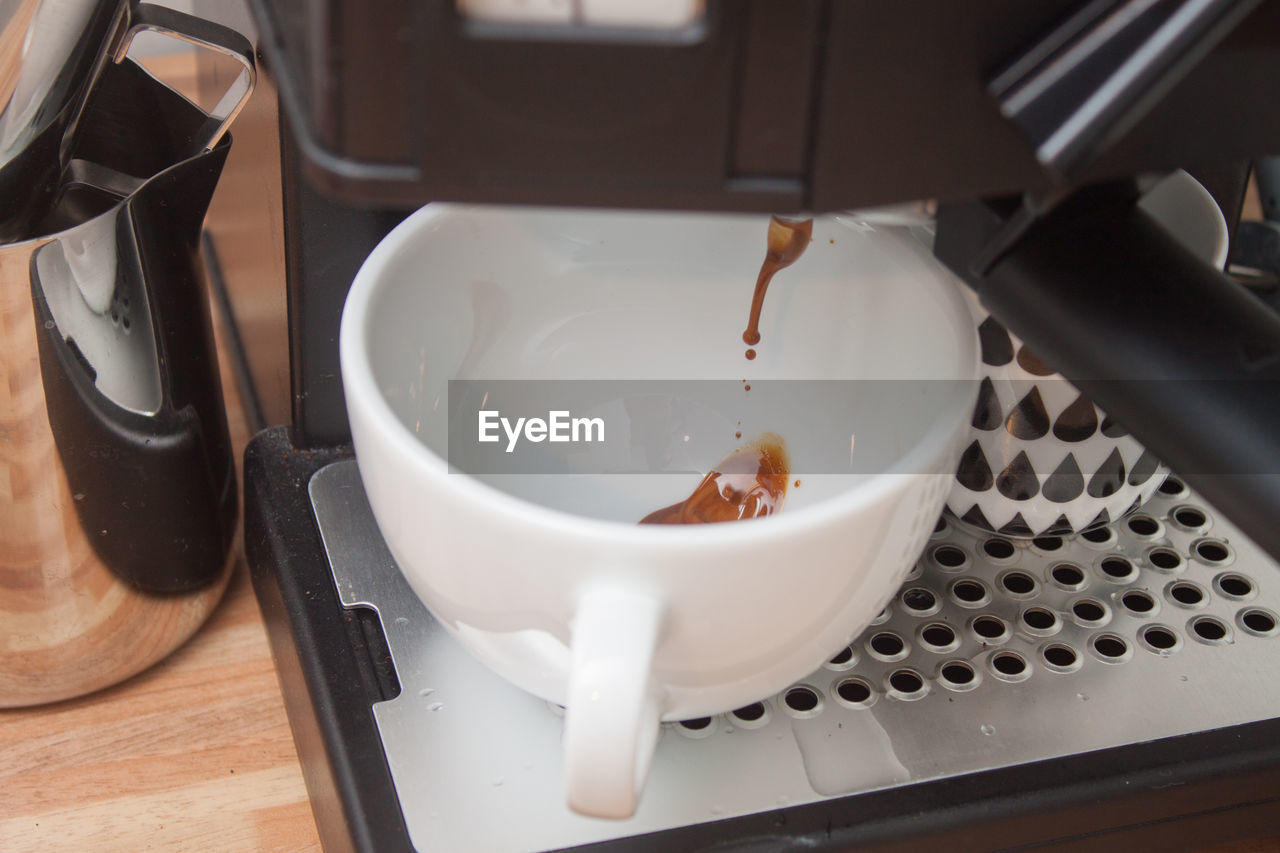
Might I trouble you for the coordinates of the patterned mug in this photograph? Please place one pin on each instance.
(1042, 459)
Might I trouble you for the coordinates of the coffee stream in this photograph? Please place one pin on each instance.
(788, 238)
(751, 482)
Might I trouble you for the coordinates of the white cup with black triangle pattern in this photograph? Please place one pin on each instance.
(1042, 459)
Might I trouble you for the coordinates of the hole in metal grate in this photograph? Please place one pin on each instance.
(1111, 647)
(1018, 584)
(1259, 622)
(920, 601)
(1068, 576)
(1010, 666)
(1186, 594)
(1089, 611)
(1060, 657)
(1212, 551)
(846, 658)
(753, 716)
(802, 701)
(1143, 525)
(958, 675)
(696, 728)
(1099, 536)
(1173, 487)
(1137, 601)
(950, 557)
(970, 593)
(1190, 517)
(1160, 639)
(1039, 619)
(998, 549)
(1165, 559)
(854, 692)
(937, 637)
(1047, 543)
(990, 628)
(1234, 585)
(1210, 630)
(1009, 663)
(906, 684)
(888, 646)
(1117, 568)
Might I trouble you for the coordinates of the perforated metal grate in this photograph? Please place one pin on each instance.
(993, 653)
(981, 610)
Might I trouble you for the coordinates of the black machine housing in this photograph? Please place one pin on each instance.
(1031, 125)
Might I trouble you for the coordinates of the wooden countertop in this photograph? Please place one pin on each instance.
(194, 754)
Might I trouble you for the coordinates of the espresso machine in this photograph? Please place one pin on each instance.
(1033, 128)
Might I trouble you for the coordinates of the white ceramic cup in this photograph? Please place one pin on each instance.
(547, 578)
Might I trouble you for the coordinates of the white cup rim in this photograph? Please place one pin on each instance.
(360, 388)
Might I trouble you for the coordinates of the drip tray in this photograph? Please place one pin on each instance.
(995, 653)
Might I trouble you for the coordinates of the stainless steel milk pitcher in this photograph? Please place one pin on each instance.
(118, 500)
(51, 55)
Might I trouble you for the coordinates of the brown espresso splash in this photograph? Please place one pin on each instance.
(787, 241)
(751, 482)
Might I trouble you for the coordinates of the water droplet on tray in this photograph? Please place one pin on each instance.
(987, 729)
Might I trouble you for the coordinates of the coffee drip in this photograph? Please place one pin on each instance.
(787, 240)
(751, 482)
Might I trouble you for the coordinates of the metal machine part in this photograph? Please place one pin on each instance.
(1083, 86)
(994, 654)
(765, 105)
(118, 499)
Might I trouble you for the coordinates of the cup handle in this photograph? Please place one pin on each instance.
(202, 33)
(613, 709)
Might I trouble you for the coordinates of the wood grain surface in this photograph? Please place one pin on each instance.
(193, 754)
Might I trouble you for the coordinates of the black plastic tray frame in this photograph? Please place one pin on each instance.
(1178, 793)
